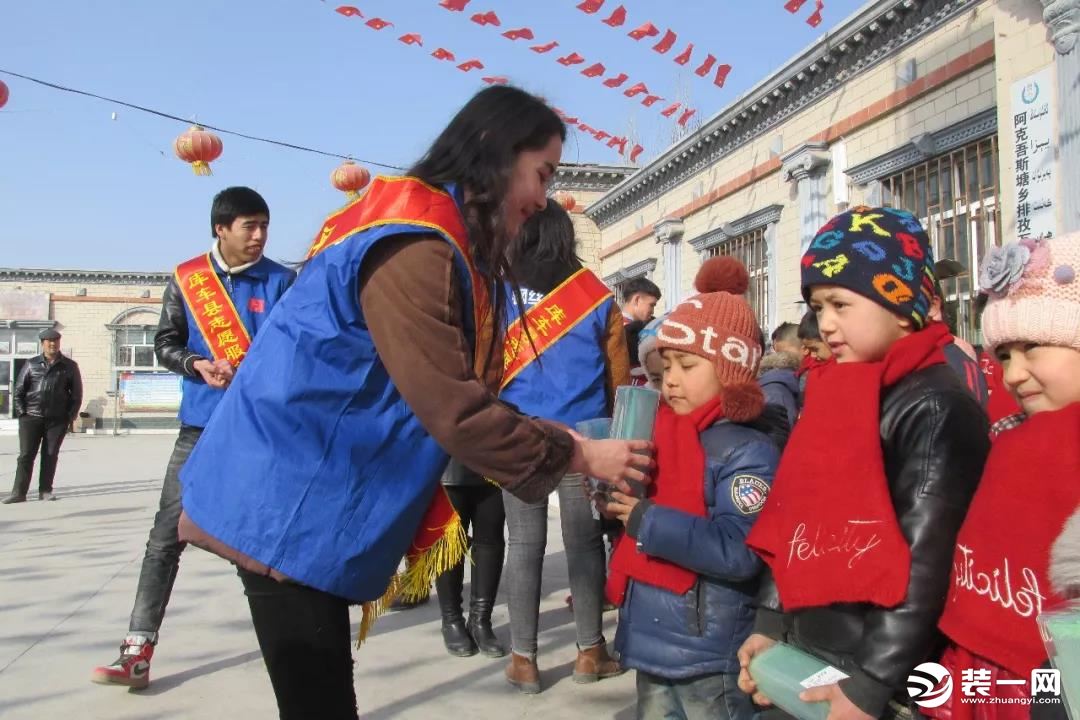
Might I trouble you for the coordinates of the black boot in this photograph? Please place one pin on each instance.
(486, 571)
(455, 635)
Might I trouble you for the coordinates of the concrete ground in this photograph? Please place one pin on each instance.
(68, 571)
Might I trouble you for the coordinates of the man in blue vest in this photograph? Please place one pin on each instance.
(214, 304)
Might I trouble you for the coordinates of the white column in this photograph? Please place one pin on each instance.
(807, 165)
(1063, 18)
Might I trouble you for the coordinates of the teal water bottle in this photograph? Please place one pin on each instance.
(634, 418)
(783, 672)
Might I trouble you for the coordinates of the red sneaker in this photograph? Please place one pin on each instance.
(132, 668)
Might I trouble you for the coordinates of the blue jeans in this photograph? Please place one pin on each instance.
(706, 697)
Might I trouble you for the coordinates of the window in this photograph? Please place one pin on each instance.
(957, 199)
(751, 249)
(135, 349)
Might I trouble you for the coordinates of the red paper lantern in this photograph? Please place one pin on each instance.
(4, 94)
(566, 200)
(198, 147)
(350, 178)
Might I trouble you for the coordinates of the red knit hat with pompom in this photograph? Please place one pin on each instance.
(720, 326)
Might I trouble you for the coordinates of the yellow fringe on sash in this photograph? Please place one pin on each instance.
(420, 572)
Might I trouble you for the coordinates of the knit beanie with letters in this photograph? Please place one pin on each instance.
(720, 326)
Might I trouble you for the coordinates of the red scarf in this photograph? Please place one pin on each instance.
(1030, 487)
(680, 484)
(829, 531)
(810, 363)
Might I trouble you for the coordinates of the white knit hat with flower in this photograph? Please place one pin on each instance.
(1034, 289)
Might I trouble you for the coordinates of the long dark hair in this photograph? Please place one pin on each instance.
(542, 255)
(477, 150)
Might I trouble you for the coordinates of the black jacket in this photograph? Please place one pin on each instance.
(170, 341)
(934, 439)
(49, 391)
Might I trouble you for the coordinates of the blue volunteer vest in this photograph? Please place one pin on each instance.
(568, 382)
(313, 463)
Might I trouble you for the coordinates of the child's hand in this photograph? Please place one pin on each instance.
(754, 645)
(840, 708)
(620, 506)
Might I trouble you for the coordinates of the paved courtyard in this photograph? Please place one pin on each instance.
(68, 571)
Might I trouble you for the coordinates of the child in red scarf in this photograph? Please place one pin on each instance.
(874, 483)
(1031, 485)
(683, 577)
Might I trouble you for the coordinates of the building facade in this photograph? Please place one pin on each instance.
(107, 320)
(918, 104)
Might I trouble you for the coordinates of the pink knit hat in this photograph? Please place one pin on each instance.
(1034, 289)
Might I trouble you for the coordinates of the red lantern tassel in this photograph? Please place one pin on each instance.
(201, 168)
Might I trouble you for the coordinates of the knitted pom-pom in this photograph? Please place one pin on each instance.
(743, 401)
(722, 274)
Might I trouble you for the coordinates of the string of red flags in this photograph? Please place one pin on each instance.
(668, 41)
(794, 6)
(590, 69)
(466, 65)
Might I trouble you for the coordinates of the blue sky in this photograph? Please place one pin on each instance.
(79, 189)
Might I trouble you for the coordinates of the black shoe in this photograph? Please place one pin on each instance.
(46, 496)
(13, 498)
(486, 573)
(457, 639)
(479, 628)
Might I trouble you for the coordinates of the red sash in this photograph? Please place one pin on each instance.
(213, 309)
(549, 320)
(440, 541)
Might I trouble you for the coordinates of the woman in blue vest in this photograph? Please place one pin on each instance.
(572, 379)
(320, 468)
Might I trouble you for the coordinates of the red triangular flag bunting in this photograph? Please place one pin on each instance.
(637, 90)
(443, 54)
(671, 109)
(706, 66)
(635, 152)
(686, 117)
(470, 65)
(545, 48)
(815, 19)
(349, 11)
(590, 6)
(595, 70)
(617, 80)
(684, 57)
(619, 142)
(488, 18)
(378, 24)
(585, 128)
(496, 80)
(651, 100)
(412, 39)
(601, 135)
(721, 75)
(646, 30)
(454, 5)
(571, 59)
(519, 34)
(793, 6)
(664, 45)
(617, 18)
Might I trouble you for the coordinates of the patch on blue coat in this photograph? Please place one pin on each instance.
(748, 493)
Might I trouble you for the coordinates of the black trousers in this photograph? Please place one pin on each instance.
(481, 509)
(306, 643)
(46, 435)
